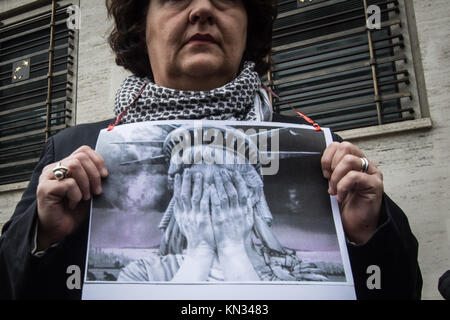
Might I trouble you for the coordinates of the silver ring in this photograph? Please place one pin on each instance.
(60, 172)
(364, 165)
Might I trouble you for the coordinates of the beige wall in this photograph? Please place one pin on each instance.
(415, 164)
(9, 196)
(98, 75)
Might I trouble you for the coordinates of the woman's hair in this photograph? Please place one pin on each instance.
(128, 41)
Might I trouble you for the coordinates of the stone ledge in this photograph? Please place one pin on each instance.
(18, 186)
(384, 129)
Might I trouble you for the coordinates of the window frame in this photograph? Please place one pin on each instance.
(413, 65)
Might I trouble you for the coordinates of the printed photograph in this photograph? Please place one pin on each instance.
(188, 202)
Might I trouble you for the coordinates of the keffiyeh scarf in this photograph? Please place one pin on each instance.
(241, 99)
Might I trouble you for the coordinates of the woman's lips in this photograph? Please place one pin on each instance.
(202, 39)
(200, 42)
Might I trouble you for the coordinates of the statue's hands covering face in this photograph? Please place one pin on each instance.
(215, 215)
(232, 220)
(192, 211)
(232, 217)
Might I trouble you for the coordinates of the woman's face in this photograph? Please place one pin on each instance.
(195, 44)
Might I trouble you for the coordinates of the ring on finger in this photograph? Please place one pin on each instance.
(60, 172)
(364, 165)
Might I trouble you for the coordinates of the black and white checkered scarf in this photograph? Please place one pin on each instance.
(241, 99)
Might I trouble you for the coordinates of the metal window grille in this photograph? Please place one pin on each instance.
(331, 67)
(36, 61)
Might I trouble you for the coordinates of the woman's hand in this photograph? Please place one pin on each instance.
(359, 194)
(192, 211)
(232, 223)
(63, 205)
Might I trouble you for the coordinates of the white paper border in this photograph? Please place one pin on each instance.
(282, 290)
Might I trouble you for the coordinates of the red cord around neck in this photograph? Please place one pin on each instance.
(309, 120)
(124, 112)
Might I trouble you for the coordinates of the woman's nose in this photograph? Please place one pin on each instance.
(201, 11)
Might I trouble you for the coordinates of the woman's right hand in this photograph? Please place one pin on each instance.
(64, 204)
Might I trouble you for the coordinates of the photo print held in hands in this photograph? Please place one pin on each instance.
(197, 206)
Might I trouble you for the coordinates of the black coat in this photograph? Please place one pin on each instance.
(22, 275)
(444, 285)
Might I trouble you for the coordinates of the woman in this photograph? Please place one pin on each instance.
(195, 53)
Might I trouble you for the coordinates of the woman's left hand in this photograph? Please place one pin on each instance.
(358, 193)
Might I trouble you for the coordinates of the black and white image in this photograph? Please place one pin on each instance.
(238, 210)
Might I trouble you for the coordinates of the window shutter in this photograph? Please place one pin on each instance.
(331, 67)
(35, 99)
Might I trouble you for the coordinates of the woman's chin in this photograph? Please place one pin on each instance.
(205, 66)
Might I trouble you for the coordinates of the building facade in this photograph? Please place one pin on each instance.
(412, 153)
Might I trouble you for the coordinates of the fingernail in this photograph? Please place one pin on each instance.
(105, 172)
(326, 174)
(87, 196)
(99, 190)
